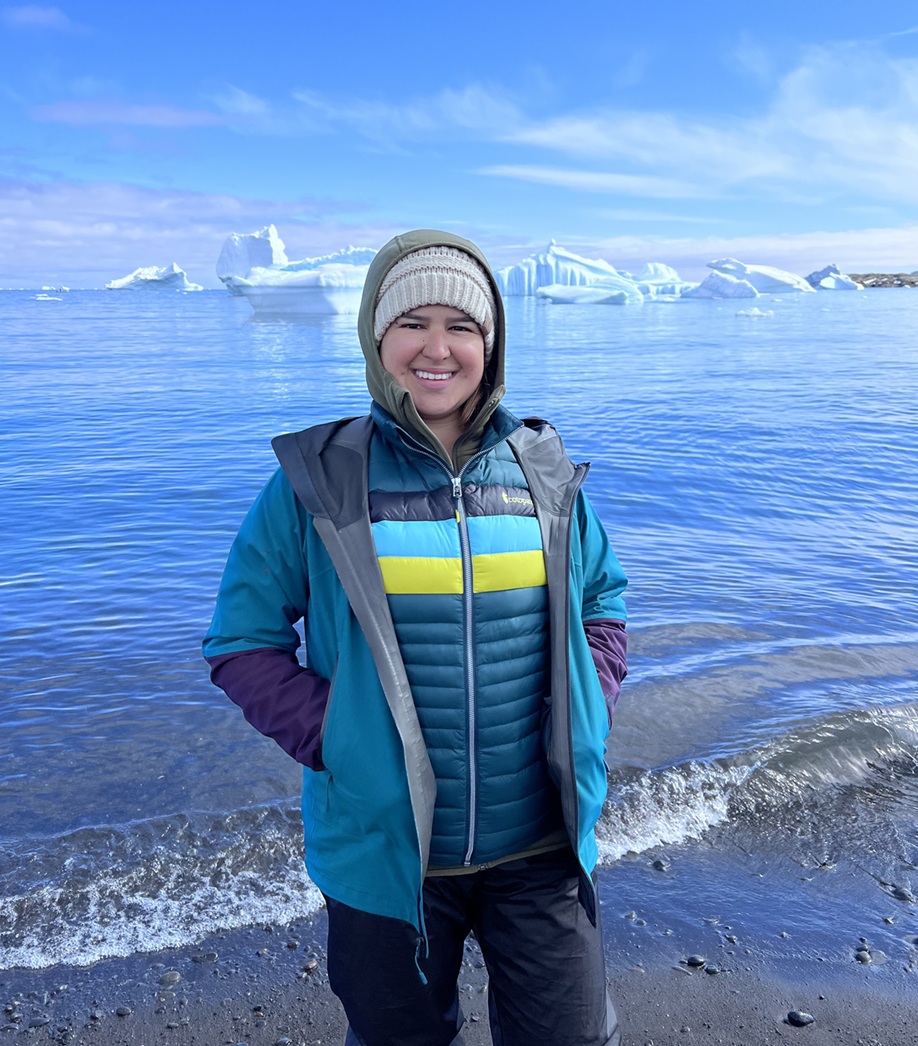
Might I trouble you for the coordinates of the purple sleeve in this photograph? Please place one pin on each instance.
(609, 646)
(280, 698)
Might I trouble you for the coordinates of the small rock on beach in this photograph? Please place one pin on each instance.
(800, 1019)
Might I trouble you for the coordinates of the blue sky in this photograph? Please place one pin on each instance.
(141, 134)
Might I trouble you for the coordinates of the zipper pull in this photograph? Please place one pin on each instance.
(457, 487)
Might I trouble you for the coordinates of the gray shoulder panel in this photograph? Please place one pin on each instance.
(338, 449)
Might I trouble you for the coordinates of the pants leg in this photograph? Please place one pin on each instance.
(544, 958)
(374, 966)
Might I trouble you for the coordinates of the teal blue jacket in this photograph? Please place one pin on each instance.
(306, 551)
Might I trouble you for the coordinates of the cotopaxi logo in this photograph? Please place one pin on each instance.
(515, 501)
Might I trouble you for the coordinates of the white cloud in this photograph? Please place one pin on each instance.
(844, 120)
(32, 16)
(235, 101)
(83, 235)
(857, 250)
(107, 114)
(477, 108)
(600, 182)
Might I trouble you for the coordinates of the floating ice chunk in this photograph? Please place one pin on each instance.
(657, 272)
(554, 266)
(660, 282)
(764, 278)
(327, 290)
(168, 278)
(327, 285)
(755, 312)
(347, 256)
(243, 252)
(831, 279)
(612, 292)
(721, 285)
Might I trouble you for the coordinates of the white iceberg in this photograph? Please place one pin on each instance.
(328, 285)
(659, 281)
(330, 289)
(721, 285)
(168, 278)
(613, 291)
(347, 256)
(765, 278)
(832, 279)
(243, 252)
(551, 268)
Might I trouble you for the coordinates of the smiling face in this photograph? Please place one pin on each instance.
(436, 352)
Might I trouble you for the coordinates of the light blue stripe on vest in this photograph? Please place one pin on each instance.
(431, 539)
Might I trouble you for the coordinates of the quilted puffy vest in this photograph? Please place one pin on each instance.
(464, 574)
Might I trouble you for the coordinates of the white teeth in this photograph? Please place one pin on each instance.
(433, 377)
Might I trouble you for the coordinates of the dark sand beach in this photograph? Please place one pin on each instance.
(704, 946)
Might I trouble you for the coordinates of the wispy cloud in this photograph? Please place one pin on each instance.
(236, 102)
(477, 108)
(33, 16)
(858, 250)
(87, 234)
(600, 181)
(844, 120)
(111, 114)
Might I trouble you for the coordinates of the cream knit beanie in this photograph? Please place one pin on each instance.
(436, 276)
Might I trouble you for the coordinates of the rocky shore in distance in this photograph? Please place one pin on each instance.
(885, 279)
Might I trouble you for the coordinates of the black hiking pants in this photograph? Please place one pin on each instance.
(547, 979)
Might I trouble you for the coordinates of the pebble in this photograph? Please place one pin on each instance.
(661, 866)
(170, 977)
(311, 966)
(903, 893)
(205, 957)
(283, 1042)
(695, 960)
(799, 1019)
(39, 1022)
(124, 1011)
(863, 956)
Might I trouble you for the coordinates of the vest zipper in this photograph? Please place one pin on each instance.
(471, 716)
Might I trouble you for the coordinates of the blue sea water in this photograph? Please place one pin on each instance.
(757, 470)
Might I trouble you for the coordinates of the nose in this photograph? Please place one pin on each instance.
(436, 344)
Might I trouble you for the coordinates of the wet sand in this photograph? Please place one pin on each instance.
(703, 946)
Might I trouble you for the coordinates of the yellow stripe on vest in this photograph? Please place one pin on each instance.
(421, 575)
(424, 575)
(505, 570)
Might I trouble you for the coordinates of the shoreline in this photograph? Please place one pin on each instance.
(869, 280)
(696, 952)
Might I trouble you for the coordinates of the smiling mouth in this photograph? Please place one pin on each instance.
(431, 376)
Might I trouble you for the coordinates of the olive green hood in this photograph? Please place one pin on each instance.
(383, 387)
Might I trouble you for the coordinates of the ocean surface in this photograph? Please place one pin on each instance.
(756, 466)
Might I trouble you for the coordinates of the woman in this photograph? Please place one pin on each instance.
(464, 649)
